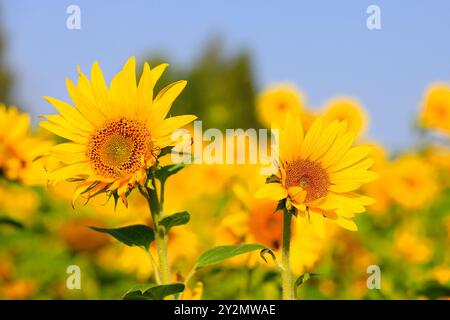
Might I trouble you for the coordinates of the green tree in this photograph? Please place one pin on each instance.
(5, 75)
(220, 91)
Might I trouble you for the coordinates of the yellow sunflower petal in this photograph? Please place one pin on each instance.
(80, 189)
(123, 89)
(311, 138)
(165, 99)
(157, 71)
(145, 90)
(71, 114)
(85, 88)
(297, 195)
(69, 157)
(318, 222)
(354, 155)
(89, 111)
(69, 172)
(326, 140)
(299, 206)
(353, 176)
(62, 132)
(274, 191)
(60, 121)
(338, 149)
(69, 147)
(345, 187)
(169, 125)
(100, 89)
(346, 224)
(20, 128)
(347, 202)
(288, 144)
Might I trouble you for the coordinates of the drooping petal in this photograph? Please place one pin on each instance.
(274, 191)
(346, 224)
(297, 195)
(318, 222)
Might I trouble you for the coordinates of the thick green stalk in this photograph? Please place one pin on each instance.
(163, 258)
(286, 274)
(160, 233)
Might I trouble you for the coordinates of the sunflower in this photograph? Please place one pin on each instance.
(436, 108)
(439, 157)
(319, 172)
(413, 182)
(18, 149)
(410, 245)
(274, 102)
(115, 134)
(347, 108)
(262, 223)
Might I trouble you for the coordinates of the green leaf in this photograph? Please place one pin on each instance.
(222, 253)
(272, 178)
(176, 219)
(11, 222)
(150, 292)
(165, 151)
(265, 251)
(302, 279)
(433, 290)
(165, 172)
(135, 235)
(116, 198)
(280, 206)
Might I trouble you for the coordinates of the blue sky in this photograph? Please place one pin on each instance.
(322, 46)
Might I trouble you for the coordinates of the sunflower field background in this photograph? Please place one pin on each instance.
(406, 231)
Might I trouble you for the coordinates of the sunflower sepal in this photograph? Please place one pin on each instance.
(115, 197)
(288, 205)
(149, 184)
(163, 173)
(165, 151)
(301, 280)
(273, 178)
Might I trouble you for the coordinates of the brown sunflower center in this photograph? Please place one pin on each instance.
(117, 148)
(310, 176)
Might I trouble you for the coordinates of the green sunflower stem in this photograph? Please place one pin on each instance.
(161, 237)
(161, 247)
(286, 275)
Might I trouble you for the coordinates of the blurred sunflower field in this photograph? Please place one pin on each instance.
(71, 179)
